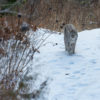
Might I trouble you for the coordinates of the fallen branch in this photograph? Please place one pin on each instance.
(7, 12)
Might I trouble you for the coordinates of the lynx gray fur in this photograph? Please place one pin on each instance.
(70, 38)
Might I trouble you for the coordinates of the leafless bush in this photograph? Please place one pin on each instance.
(17, 49)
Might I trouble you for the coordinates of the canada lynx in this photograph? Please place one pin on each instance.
(70, 38)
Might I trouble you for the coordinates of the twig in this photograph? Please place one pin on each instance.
(7, 12)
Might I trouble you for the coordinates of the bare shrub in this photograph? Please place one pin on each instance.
(18, 44)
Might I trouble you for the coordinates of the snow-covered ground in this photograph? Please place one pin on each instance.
(74, 77)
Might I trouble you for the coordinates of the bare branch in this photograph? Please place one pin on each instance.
(7, 12)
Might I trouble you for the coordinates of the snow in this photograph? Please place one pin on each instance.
(75, 77)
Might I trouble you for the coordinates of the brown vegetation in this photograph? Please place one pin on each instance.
(54, 14)
(72, 12)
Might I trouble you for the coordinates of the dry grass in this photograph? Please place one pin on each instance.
(54, 14)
